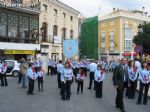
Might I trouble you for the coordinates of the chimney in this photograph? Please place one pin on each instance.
(143, 10)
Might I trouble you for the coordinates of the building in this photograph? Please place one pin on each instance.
(89, 38)
(116, 31)
(19, 32)
(57, 22)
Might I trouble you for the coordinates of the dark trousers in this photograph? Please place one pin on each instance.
(49, 70)
(80, 85)
(19, 78)
(132, 89)
(91, 79)
(66, 90)
(58, 80)
(40, 83)
(125, 85)
(119, 98)
(144, 87)
(98, 89)
(31, 86)
(3, 80)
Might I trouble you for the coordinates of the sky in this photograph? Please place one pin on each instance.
(94, 7)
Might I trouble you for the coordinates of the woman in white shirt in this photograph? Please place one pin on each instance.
(144, 78)
(67, 80)
(99, 78)
(133, 74)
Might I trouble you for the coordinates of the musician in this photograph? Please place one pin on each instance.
(3, 73)
(144, 78)
(99, 77)
(32, 75)
(80, 80)
(133, 74)
(66, 81)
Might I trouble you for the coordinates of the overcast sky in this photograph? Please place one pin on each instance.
(94, 7)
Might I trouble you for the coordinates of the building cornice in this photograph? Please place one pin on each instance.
(126, 15)
(62, 5)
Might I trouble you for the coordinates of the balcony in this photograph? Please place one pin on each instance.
(18, 40)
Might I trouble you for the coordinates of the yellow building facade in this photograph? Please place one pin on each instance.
(116, 31)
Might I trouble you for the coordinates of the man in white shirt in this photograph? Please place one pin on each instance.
(60, 69)
(92, 68)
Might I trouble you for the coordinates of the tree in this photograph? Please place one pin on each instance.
(143, 37)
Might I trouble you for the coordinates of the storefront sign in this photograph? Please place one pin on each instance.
(19, 51)
(129, 54)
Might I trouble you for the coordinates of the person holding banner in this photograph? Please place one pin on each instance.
(144, 78)
(99, 77)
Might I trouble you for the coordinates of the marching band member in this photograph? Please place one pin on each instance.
(80, 80)
(99, 77)
(144, 78)
(40, 78)
(133, 74)
(60, 69)
(67, 80)
(3, 73)
(32, 75)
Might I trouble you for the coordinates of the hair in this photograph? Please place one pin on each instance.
(69, 65)
(99, 65)
(143, 64)
(81, 70)
(130, 62)
(60, 61)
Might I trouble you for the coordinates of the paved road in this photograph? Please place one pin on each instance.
(14, 99)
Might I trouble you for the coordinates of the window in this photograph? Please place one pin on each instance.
(71, 33)
(2, 24)
(33, 24)
(126, 24)
(45, 7)
(55, 11)
(112, 36)
(128, 33)
(23, 27)
(64, 32)
(64, 15)
(71, 18)
(55, 30)
(111, 22)
(127, 45)
(103, 36)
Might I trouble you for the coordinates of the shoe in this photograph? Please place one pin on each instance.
(122, 110)
(138, 103)
(67, 98)
(77, 92)
(144, 103)
(117, 106)
(88, 88)
(81, 92)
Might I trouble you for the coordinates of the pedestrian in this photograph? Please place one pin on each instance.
(60, 69)
(40, 77)
(80, 81)
(144, 78)
(133, 74)
(32, 75)
(23, 72)
(99, 78)
(67, 80)
(49, 67)
(92, 68)
(118, 81)
(3, 73)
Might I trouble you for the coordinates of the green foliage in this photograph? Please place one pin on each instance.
(143, 36)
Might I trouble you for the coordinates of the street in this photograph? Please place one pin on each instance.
(14, 99)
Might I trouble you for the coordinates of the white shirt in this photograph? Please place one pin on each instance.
(31, 74)
(68, 74)
(93, 67)
(60, 68)
(99, 75)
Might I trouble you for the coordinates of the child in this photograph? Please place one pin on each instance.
(40, 79)
(80, 78)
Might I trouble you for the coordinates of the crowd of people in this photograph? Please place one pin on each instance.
(126, 74)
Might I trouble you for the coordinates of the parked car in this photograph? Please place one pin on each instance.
(13, 68)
